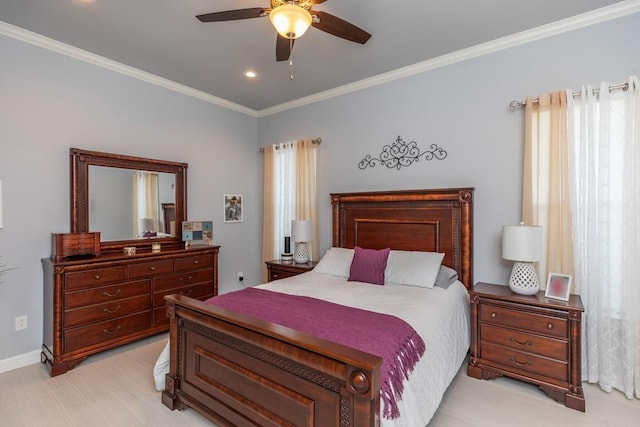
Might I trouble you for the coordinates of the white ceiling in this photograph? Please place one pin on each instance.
(163, 37)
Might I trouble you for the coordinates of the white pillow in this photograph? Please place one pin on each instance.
(335, 262)
(413, 268)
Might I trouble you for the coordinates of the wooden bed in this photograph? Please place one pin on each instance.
(238, 370)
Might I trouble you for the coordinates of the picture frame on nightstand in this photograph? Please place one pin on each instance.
(558, 286)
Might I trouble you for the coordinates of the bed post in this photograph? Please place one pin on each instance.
(169, 397)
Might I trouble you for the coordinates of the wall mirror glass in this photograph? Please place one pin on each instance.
(129, 200)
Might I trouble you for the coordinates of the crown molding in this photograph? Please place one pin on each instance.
(83, 55)
(607, 13)
(624, 8)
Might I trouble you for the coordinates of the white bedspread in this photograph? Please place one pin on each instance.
(440, 316)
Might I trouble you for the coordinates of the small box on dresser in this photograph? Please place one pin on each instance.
(530, 338)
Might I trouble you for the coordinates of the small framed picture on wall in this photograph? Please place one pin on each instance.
(558, 286)
(233, 208)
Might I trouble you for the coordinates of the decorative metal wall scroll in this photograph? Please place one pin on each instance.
(402, 154)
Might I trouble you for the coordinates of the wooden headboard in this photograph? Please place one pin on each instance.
(439, 220)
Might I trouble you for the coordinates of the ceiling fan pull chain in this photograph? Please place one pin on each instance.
(290, 59)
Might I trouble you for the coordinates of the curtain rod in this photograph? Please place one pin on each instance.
(517, 104)
(313, 141)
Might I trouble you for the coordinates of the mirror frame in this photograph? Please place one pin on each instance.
(80, 162)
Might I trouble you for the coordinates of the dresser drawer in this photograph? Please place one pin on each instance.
(106, 311)
(106, 294)
(95, 277)
(193, 262)
(193, 291)
(100, 333)
(176, 281)
(150, 269)
(526, 363)
(540, 323)
(543, 346)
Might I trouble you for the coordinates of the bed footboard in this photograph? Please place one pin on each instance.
(237, 370)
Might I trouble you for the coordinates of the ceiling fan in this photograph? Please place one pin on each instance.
(291, 18)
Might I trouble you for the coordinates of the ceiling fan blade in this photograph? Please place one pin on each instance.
(233, 15)
(283, 49)
(318, 1)
(340, 28)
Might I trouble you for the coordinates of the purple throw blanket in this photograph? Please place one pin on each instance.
(388, 337)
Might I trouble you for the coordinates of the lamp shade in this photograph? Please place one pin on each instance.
(290, 21)
(522, 243)
(301, 230)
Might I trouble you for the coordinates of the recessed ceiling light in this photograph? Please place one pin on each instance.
(87, 1)
(250, 74)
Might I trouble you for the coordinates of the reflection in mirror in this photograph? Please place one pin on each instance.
(130, 204)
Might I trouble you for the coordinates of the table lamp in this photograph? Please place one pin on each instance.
(301, 234)
(523, 244)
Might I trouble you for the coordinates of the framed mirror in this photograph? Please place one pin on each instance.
(131, 201)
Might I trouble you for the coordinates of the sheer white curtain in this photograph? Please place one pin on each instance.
(145, 203)
(290, 192)
(604, 173)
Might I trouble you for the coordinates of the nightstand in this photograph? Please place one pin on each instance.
(530, 338)
(280, 269)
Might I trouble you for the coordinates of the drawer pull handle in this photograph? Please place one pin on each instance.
(514, 360)
(494, 315)
(96, 276)
(152, 268)
(106, 310)
(106, 331)
(549, 326)
(186, 294)
(188, 279)
(107, 294)
(521, 344)
(196, 262)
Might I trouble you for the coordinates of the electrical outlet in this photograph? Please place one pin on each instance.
(21, 323)
(240, 276)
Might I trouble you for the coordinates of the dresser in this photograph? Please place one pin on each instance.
(279, 269)
(530, 338)
(101, 302)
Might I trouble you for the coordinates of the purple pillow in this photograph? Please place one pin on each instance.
(368, 265)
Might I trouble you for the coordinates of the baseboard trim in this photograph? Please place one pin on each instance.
(19, 361)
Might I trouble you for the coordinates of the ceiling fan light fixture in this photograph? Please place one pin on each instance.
(290, 21)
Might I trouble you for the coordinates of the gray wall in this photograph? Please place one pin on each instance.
(464, 109)
(49, 103)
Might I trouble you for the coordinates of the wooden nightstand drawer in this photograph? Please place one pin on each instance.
(540, 323)
(525, 363)
(283, 269)
(543, 346)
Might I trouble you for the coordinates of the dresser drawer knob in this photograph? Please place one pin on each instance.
(549, 326)
(152, 268)
(514, 360)
(96, 276)
(106, 331)
(521, 344)
(186, 294)
(108, 295)
(494, 315)
(196, 262)
(106, 310)
(188, 279)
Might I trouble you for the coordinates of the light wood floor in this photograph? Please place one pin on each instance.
(116, 388)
